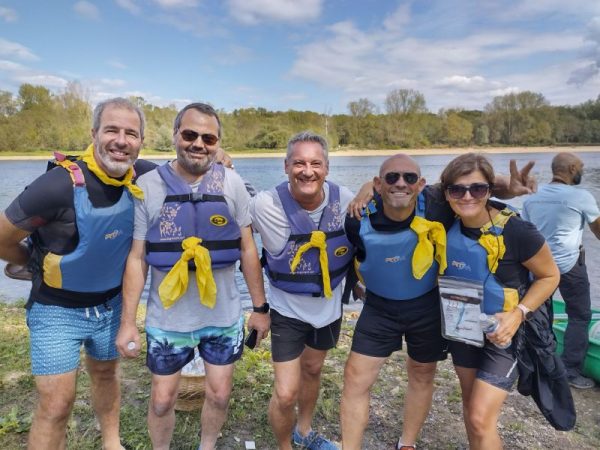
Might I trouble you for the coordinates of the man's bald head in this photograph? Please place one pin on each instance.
(567, 168)
(402, 158)
(562, 161)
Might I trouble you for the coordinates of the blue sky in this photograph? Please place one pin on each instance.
(304, 54)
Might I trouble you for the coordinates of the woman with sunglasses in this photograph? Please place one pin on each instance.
(491, 245)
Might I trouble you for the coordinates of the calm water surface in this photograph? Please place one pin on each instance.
(264, 173)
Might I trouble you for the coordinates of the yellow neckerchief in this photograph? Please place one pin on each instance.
(175, 284)
(429, 233)
(317, 240)
(88, 158)
(493, 243)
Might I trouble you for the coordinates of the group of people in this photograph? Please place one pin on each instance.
(92, 229)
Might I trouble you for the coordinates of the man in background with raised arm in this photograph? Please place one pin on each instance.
(560, 210)
(191, 228)
(80, 219)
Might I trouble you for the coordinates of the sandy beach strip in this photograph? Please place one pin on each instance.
(362, 152)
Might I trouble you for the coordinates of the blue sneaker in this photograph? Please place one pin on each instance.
(314, 441)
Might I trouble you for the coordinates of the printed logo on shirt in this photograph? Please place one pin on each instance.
(218, 220)
(341, 251)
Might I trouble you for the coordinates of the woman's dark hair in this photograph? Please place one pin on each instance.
(464, 165)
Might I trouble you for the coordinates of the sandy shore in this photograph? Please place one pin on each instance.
(363, 152)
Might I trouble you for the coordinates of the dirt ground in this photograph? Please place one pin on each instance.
(522, 426)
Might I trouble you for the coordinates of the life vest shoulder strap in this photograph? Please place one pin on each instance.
(71, 167)
(496, 226)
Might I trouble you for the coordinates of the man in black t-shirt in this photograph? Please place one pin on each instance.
(80, 221)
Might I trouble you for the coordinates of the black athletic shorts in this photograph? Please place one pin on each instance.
(384, 323)
(289, 336)
(496, 366)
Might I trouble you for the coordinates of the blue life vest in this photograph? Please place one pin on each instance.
(105, 234)
(307, 279)
(468, 259)
(203, 214)
(387, 268)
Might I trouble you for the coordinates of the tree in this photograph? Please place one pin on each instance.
(361, 108)
(8, 105)
(405, 101)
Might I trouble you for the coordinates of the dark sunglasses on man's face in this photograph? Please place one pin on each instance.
(191, 136)
(477, 190)
(392, 178)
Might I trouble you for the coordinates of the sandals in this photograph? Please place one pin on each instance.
(403, 447)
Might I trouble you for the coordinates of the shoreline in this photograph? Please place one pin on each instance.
(357, 152)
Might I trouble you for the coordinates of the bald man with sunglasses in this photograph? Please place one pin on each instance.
(399, 250)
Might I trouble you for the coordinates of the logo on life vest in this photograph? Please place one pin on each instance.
(340, 251)
(218, 220)
(113, 234)
(460, 265)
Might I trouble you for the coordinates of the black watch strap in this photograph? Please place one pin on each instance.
(263, 309)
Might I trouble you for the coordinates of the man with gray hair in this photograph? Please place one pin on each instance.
(560, 210)
(79, 217)
(306, 255)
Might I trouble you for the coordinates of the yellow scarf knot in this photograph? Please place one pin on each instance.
(88, 158)
(175, 284)
(317, 240)
(429, 234)
(494, 246)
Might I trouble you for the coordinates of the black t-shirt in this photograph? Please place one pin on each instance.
(46, 209)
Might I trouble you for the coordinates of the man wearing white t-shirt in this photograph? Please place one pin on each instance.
(560, 211)
(307, 255)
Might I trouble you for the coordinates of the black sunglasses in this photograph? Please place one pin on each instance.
(408, 177)
(477, 190)
(191, 136)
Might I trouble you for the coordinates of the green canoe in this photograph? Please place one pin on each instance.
(591, 366)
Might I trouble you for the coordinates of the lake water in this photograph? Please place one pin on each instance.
(264, 173)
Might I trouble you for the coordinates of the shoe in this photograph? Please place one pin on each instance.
(314, 441)
(397, 446)
(581, 382)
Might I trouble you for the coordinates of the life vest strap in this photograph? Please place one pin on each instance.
(305, 237)
(305, 278)
(175, 246)
(195, 197)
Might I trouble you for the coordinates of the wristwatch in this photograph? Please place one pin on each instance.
(527, 313)
(263, 309)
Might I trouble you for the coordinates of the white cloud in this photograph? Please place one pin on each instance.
(257, 11)
(112, 82)
(14, 49)
(8, 14)
(467, 84)
(169, 4)
(116, 64)
(581, 75)
(466, 68)
(10, 66)
(87, 10)
(47, 80)
(235, 54)
(398, 19)
(129, 5)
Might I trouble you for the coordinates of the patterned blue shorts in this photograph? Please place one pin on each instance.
(169, 351)
(57, 333)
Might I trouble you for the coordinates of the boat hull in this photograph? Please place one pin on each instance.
(591, 366)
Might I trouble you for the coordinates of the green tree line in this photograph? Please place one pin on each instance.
(38, 119)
